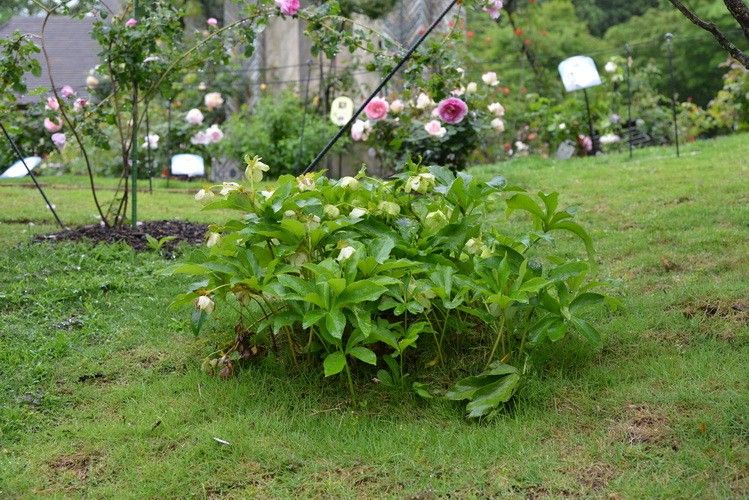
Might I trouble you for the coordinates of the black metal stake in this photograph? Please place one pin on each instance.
(381, 86)
(149, 159)
(300, 152)
(593, 140)
(628, 51)
(669, 40)
(20, 156)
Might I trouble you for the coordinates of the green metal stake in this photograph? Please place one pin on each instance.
(134, 144)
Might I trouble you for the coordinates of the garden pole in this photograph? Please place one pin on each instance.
(14, 146)
(669, 42)
(382, 84)
(134, 143)
(300, 152)
(149, 158)
(593, 140)
(628, 51)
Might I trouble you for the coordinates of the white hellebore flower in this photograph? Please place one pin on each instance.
(423, 101)
(203, 194)
(420, 183)
(205, 304)
(490, 78)
(213, 100)
(228, 187)
(212, 239)
(498, 124)
(305, 182)
(611, 67)
(331, 211)
(357, 213)
(267, 194)
(471, 88)
(389, 208)
(194, 117)
(348, 182)
(562, 126)
(497, 109)
(346, 252)
(289, 214)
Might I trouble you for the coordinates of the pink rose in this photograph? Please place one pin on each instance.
(131, 23)
(194, 117)
(435, 129)
(212, 21)
(214, 134)
(360, 130)
(452, 110)
(377, 109)
(201, 138)
(586, 142)
(59, 140)
(494, 9)
(79, 104)
(52, 126)
(52, 104)
(67, 91)
(288, 7)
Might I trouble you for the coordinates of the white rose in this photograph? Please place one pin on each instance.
(497, 109)
(423, 101)
(92, 82)
(194, 117)
(498, 125)
(213, 100)
(490, 78)
(471, 87)
(357, 213)
(610, 67)
(397, 106)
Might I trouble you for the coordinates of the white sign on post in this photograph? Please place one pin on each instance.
(579, 73)
(341, 110)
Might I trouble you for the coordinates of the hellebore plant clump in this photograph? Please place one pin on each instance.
(387, 276)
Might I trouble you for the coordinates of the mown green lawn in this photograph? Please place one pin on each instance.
(101, 392)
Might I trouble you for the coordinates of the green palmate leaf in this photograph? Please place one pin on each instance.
(585, 300)
(312, 317)
(363, 354)
(360, 291)
(577, 229)
(335, 322)
(569, 270)
(334, 363)
(197, 319)
(422, 390)
(586, 330)
(522, 201)
(380, 248)
(491, 396)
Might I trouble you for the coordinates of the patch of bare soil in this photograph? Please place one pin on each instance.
(733, 311)
(182, 231)
(596, 476)
(79, 464)
(642, 425)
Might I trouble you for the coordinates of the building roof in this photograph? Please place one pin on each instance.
(72, 51)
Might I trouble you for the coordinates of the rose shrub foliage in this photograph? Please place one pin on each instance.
(384, 276)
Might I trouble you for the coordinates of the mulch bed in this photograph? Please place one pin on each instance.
(188, 232)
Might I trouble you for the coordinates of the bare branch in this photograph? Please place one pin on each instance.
(710, 27)
(740, 11)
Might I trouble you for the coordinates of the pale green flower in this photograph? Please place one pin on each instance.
(255, 168)
(389, 208)
(331, 211)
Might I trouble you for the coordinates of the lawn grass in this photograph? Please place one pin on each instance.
(101, 392)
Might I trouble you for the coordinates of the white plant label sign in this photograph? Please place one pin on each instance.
(341, 110)
(579, 73)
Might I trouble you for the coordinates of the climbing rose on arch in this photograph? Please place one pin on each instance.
(377, 109)
(288, 7)
(452, 110)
